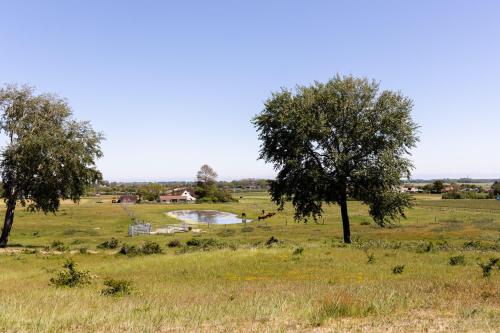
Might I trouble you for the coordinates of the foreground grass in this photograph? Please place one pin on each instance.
(244, 285)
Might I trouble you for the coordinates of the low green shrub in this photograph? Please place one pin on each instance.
(174, 243)
(151, 248)
(457, 260)
(129, 250)
(71, 276)
(398, 269)
(116, 287)
(271, 241)
(488, 266)
(472, 245)
(58, 246)
(193, 242)
(109, 244)
(298, 251)
(206, 244)
(425, 247)
(147, 248)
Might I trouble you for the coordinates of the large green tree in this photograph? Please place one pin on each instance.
(151, 191)
(495, 188)
(438, 186)
(48, 155)
(338, 140)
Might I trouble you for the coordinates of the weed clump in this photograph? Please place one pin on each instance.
(116, 287)
(370, 257)
(174, 243)
(298, 251)
(472, 245)
(83, 250)
(109, 244)
(339, 307)
(30, 251)
(398, 269)
(457, 260)
(58, 246)
(488, 266)
(271, 241)
(425, 247)
(71, 276)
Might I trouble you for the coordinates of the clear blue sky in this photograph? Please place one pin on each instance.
(174, 85)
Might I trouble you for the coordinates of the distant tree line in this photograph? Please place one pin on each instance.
(147, 190)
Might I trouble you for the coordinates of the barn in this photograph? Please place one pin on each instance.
(128, 199)
(182, 197)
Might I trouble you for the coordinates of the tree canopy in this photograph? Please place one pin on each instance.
(206, 187)
(206, 175)
(48, 156)
(496, 188)
(337, 140)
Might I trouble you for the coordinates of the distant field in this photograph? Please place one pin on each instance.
(241, 284)
(471, 204)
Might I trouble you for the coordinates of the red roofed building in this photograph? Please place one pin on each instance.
(184, 197)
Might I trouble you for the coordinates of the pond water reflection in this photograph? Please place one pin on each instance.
(207, 216)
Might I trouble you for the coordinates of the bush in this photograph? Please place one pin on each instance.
(83, 250)
(109, 244)
(193, 242)
(488, 267)
(398, 269)
(472, 245)
(71, 277)
(365, 222)
(129, 250)
(425, 247)
(466, 195)
(457, 260)
(298, 251)
(58, 246)
(116, 287)
(146, 249)
(205, 244)
(151, 248)
(174, 243)
(271, 241)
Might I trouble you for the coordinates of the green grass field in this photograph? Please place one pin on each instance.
(240, 284)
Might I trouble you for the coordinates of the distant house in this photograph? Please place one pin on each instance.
(183, 197)
(413, 190)
(129, 199)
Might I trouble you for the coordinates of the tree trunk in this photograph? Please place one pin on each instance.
(9, 220)
(345, 218)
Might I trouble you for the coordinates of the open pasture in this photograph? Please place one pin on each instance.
(307, 281)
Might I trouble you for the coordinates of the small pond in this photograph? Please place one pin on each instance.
(207, 216)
